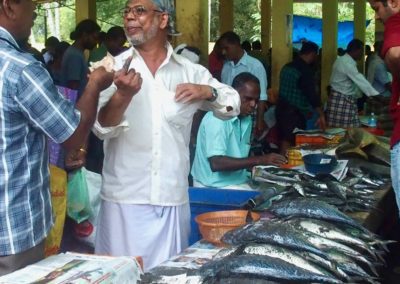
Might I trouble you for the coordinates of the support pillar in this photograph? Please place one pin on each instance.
(225, 15)
(266, 10)
(192, 19)
(360, 18)
(282, 25)
(329, 43)
(85, 9)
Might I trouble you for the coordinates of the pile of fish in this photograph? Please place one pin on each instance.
(354, 193)
(308, 241)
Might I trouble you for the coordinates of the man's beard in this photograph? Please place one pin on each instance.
(144, 37)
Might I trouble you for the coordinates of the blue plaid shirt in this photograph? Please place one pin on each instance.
(30, 109)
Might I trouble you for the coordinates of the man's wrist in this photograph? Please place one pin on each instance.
(256, 160)
(93, 87)
(122, 96)
(214, 95)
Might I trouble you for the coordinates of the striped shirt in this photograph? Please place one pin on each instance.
(30, 109)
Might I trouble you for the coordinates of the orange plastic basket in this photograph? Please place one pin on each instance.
(213, 225)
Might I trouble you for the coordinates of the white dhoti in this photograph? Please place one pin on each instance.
(156, 233)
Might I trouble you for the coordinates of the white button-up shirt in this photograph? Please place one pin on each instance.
(246, 64)
(345, 78)
(378, 75)
(147, 154)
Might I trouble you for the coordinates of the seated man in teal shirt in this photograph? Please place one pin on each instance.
(222, 152)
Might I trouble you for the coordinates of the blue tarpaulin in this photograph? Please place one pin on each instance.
(307, 28)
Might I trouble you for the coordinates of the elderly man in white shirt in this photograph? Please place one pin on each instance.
(345, 83)
(145, 206)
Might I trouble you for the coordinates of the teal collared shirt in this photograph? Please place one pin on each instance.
(216, 137)
(246, 64)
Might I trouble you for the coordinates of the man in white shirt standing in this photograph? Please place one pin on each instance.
(378, 74)
(238, 61)
(145, 206)
(345, 81)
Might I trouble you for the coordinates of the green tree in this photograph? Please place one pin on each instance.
(244, 19)
(108, 15)
(247, 17)
(214, 20)
(66, 23)
(67, 19)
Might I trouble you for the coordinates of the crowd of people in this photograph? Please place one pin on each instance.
(149, 112)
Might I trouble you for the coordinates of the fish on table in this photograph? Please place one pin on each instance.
(311, 235)
(260, 267)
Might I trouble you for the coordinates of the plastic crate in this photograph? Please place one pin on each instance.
(204, 200)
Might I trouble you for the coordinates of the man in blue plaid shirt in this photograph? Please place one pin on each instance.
(31, 110)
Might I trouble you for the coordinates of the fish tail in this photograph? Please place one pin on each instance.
(380, 258)
(374, 254)
(382, 244)
(373, 269)
(358, 279)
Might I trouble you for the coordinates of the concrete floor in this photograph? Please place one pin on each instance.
(70, 243)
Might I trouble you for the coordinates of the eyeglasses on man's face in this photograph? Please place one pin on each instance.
(137, 11)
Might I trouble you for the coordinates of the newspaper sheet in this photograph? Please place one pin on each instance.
(179, 269)
(74, 268)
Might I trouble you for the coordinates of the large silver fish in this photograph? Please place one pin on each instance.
(271, 232)
(312, 208)
(326, 244)
(326, 263)
(286, 255)
(352, 268)
(330, 231)
(260, 267)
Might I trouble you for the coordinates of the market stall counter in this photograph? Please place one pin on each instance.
(185, 267)
(315, 228)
